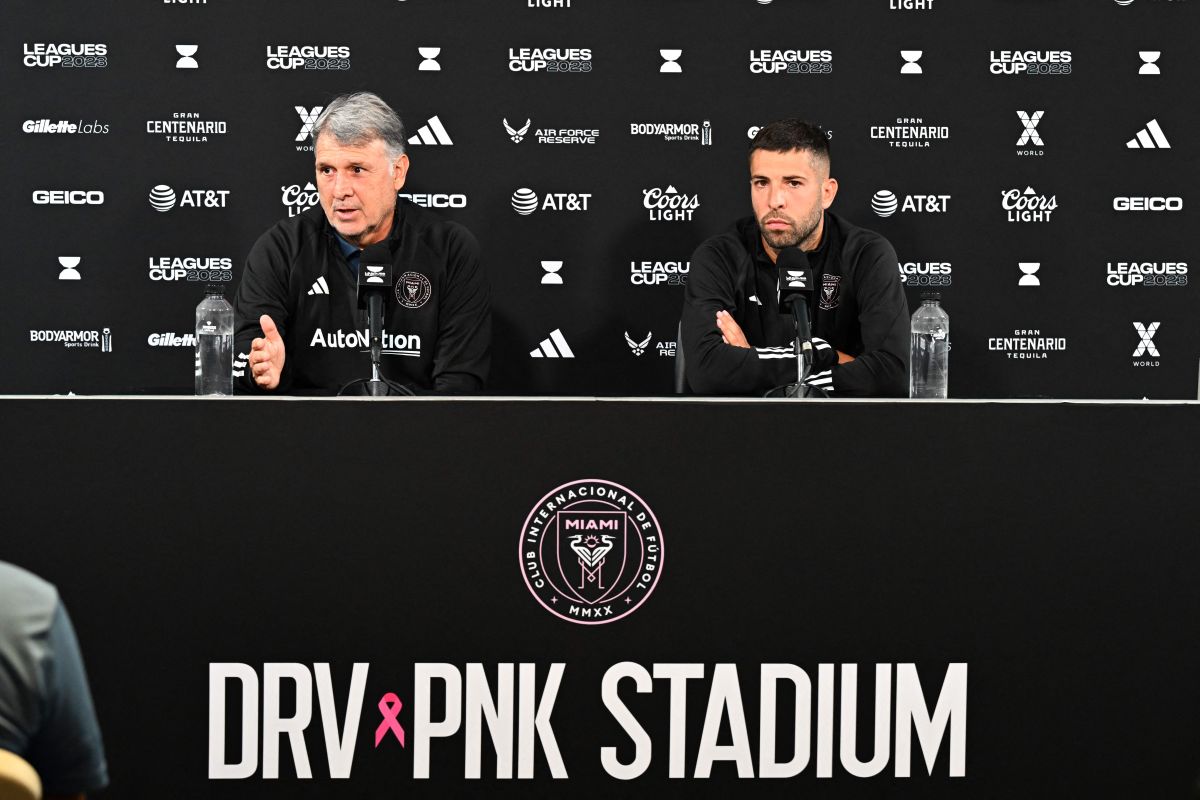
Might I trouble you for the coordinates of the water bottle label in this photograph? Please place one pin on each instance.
(206, 327)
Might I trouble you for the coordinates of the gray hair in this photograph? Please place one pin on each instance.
(359, 118)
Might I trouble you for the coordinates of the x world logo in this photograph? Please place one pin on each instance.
(309, 118)
(1030, 123)
(1146, 346)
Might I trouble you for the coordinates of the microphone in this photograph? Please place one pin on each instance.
(374, 286)
(795, 287)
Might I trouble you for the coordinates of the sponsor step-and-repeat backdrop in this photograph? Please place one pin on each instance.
(597, 626)
(1030, 161)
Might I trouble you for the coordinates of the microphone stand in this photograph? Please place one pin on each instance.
(376, 386)
(803, 345)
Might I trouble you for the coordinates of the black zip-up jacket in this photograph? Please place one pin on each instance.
(437, 331)
(859, 307)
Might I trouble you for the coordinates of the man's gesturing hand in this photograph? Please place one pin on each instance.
(731, 332)
(266, 355)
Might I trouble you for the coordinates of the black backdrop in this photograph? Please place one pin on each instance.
(1089, 115)
(1027, 541)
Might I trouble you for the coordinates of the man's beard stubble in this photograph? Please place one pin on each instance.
(798, 233)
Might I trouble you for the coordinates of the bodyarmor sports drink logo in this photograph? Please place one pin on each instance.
(435, 200)
(307, 56)
(525, 201)
(191, 269)
(1147, 273)
(163, 198)
(591, 551)
(186, 126)
(297, 199)
(66, 55)
(1027, 206)
(308, 120)
(93, 128)
(669, 205)
(791, 62)
(1031, 62)
(559, 60)
(74, 340)
(926, 273)
(68, 197)
(1147, 203)
(909, 132)
(1145, 345)
(292, 707)
(700, 132)
(171, 340)
(1027, 344)
(659, 273)
(885, 203)
(394, 344)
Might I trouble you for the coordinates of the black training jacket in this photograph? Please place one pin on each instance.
(437, 331)
(859, 307)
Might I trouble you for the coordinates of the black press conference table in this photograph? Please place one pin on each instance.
(1027, 571)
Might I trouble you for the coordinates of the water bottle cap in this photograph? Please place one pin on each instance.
(213, 289)
(931, 296)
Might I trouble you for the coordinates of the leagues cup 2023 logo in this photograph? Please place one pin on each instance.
(591, 551)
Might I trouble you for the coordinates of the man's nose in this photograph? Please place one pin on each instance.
(778, 198)
(341, 185)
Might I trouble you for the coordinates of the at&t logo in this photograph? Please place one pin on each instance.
(163, 198)
(885, 203)
(525, 201)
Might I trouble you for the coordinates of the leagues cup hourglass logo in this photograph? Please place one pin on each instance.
(591, 551)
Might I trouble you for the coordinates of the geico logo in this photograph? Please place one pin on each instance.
(65, 197)
(437, 200)
(1148, 203)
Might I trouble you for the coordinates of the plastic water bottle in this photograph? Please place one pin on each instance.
(929, 363)
(214, 344)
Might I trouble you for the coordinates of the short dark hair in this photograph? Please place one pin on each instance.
(785, 135)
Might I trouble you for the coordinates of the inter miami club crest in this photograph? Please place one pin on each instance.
(831, 292)
(413, 290)
(591, 551)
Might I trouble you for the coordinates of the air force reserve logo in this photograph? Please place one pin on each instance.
(831, 292)
(413, 290)
(591, 551)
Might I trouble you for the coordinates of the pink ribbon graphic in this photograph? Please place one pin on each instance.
(389, 706)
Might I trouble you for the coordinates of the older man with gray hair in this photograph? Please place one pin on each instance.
(298, 327)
